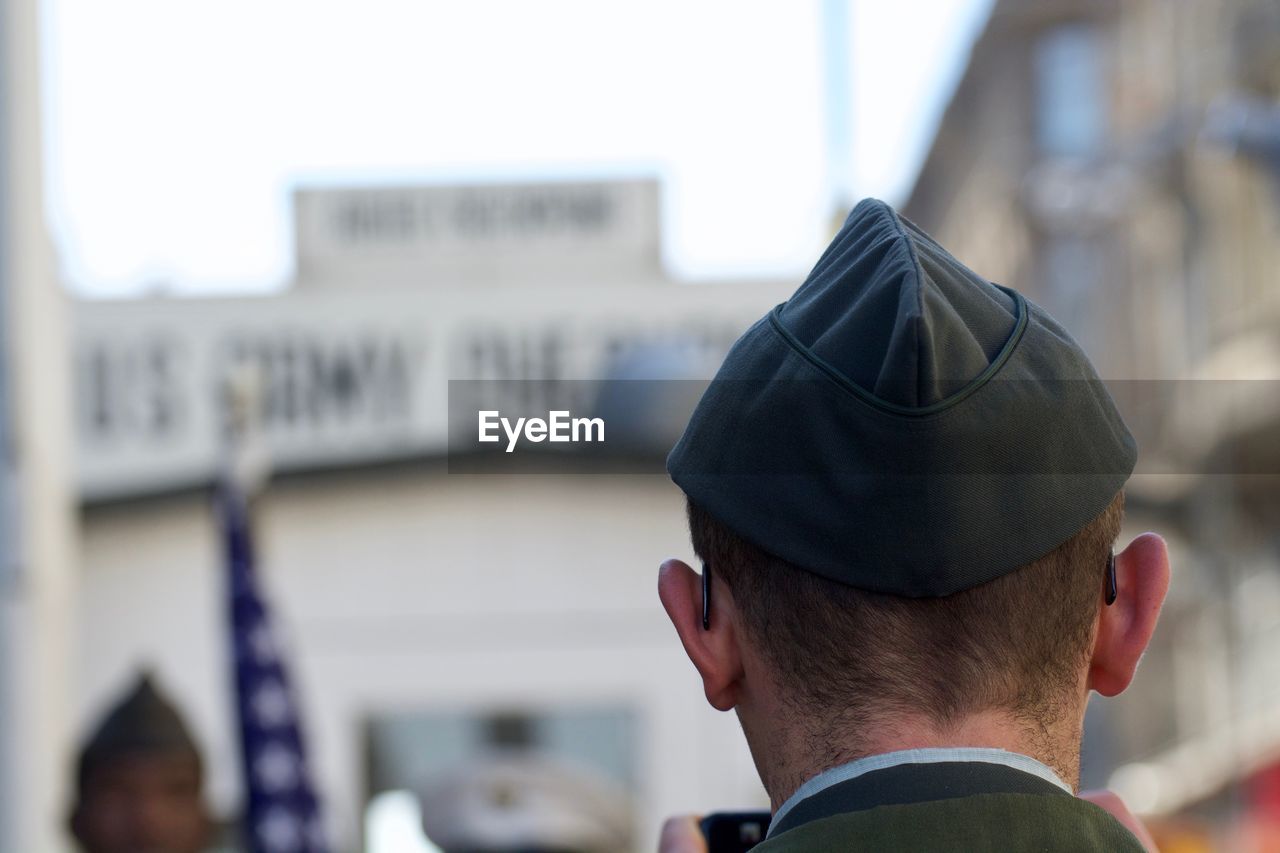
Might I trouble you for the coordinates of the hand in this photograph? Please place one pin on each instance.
(682, 835)
(1115, 806)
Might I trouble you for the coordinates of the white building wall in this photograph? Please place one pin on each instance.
(412, 590)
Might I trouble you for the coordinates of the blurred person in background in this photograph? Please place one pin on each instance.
(905, 487)
(516, 797)
(525, 803)
(139, 780)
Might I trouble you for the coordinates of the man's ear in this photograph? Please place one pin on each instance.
(714, 651)
(1125, 627)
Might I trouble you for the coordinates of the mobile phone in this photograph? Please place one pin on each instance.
(734, 832)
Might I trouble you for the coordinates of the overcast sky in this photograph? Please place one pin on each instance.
(176, 129)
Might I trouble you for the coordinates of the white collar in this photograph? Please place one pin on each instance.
(931, 755)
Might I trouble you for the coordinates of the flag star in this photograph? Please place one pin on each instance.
(269, 704)
(315, 832)
(276, 767)
(279, 831)
(262, 646)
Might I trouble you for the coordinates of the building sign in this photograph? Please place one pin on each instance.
(526, 233)
(349, 379)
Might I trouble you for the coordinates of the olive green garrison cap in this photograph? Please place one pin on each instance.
(903, 425)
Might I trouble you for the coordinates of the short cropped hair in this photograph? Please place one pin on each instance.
(843, 655)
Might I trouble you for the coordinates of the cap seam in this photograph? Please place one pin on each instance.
(911, 252)
(919, 294)
(883, 405)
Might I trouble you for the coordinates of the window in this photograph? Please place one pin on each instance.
(1071, 115)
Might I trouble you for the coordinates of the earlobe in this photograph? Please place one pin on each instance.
(1126, 626)
(712, 650)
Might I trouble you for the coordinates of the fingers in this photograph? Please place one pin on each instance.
(682, 835)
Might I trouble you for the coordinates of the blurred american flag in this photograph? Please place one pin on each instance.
(282, 812)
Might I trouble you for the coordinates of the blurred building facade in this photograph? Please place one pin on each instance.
(421, 599)
(1120, 163)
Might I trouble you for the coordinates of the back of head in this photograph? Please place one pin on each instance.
(848, 656)
(911, 479)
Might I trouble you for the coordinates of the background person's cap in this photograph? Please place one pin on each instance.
(143, 722)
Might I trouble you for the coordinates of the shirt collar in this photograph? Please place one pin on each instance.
(932, 755)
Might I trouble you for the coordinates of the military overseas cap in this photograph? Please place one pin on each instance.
(901, 424)
(142, 722)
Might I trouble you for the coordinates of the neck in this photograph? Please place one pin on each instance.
(786, 761)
